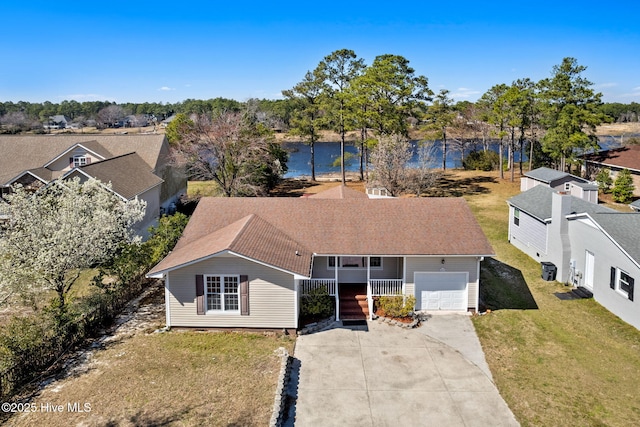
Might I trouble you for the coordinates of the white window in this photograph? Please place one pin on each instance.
(516, 216)
(354, 262)
(223, 293)
(622, 282)
(567, 186)
(79, 161)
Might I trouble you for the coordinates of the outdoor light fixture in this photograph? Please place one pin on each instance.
(442, 261)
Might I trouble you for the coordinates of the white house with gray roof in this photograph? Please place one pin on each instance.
(591, 246)
(561, 181)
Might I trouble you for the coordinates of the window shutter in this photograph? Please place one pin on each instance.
(612, 280)
(631, 288)
(244, 295)
(71, 162)
(88, 159)
(200, 293)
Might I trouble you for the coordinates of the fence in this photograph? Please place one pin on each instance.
(36, 360)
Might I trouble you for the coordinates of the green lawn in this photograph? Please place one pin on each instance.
(556, 363)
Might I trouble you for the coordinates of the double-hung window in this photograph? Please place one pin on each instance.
(79, 161)
(622, 282)
(223, 293)
(516, 216)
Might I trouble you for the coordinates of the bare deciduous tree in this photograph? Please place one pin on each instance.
(423, 175)
(389, 159)
(225, 148)
(110, 115)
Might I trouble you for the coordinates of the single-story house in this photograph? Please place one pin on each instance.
(635, 205)
(561, 181)
(616, 159)
(246, 262)
(590, 246)
(137, 166)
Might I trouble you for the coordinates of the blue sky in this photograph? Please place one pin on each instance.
(171, 51)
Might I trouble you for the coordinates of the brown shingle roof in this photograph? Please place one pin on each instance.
(250, 236)
(411, 226)
(128, 174)
(20, 153)
(625, 157)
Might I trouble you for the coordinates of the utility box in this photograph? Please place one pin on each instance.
(548, 271)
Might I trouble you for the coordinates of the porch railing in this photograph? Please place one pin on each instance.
(386, 287)
(308, 285)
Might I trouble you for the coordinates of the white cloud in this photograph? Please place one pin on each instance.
(166, 89)
(605, 85)
(463, 93)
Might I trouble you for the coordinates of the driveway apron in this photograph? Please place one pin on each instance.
(383, 375)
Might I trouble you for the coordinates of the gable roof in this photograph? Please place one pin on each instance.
(128, 174)
(635, 205)
(22, 153)
(537, 202)
(624, 157)
(547, 175)
(624, 228)
(250, 236)
(350, 226)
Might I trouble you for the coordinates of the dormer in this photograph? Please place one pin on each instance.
(75, 156)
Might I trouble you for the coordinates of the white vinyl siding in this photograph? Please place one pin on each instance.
(452, 264)
(530, 234)
(271, 295)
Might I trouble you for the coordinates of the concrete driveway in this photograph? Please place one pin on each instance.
(382, 375)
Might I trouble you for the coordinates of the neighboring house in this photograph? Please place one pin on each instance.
(245, 262)
(57, 122)
(135, 165)
(561, 181)
(591, 246)
(635, 205)
(617, 159)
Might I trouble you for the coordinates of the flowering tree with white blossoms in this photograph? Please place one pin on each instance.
(54, 234)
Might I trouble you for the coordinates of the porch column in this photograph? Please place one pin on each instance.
(335, 272)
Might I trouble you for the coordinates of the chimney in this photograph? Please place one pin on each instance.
(559, 245)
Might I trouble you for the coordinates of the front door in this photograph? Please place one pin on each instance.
(589, 270)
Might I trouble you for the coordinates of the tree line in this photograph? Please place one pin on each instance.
(552, 120)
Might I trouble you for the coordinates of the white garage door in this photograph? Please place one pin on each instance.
(442, 291)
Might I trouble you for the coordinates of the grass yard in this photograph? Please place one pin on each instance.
(174, 378)
(556, 363)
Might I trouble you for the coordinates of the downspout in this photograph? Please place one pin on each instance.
(167, 300)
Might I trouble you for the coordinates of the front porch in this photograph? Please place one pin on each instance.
(354, 301)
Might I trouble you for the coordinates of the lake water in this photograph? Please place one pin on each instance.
(327, 152)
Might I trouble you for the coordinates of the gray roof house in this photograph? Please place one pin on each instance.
(590, 246)
(561, 181)
(136, 166)
(246, 262)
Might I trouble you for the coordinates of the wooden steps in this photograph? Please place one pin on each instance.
(353, 302)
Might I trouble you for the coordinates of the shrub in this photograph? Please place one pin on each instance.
(397, 306)
(318, 303)
(623, 187)
(604, 180)
(481, 160)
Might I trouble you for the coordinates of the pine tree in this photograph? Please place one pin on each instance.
(623, 187)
